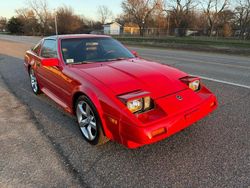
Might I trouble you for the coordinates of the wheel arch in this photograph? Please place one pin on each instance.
(94, 99)
(76, 95)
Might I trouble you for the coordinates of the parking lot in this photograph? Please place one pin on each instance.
(215, 152)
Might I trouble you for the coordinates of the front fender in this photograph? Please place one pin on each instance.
(95, 99)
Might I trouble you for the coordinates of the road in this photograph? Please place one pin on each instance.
(214, 152)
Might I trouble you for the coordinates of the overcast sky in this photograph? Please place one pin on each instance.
(81, 7)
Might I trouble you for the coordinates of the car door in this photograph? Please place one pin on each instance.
(57, 82)
(46, 73)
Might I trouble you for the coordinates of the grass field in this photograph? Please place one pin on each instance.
(190, 40)
(223, 45)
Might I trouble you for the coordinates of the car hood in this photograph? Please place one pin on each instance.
(130, 75)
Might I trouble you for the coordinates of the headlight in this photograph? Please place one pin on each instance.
(137, 101)
(135, 105)
(147, 103)
(194, 85)
(192, 82)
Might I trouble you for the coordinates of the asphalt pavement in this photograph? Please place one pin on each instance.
(27, 158)
(214, 152)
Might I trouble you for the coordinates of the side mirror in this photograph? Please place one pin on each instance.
(135, 53)
(50, 62)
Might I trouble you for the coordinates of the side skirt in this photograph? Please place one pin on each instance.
(56, 99)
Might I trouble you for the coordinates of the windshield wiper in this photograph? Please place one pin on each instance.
(79, 63)
(116, 59)
(99, 61)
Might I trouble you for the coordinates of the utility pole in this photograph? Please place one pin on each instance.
(56, 24)
(168, 23)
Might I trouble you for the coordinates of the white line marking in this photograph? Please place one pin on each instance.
(223, 82)
(212, 79)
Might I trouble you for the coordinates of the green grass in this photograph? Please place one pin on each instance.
(194, 41)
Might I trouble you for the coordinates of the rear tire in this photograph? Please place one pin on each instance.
(89, 121)
(33, 82)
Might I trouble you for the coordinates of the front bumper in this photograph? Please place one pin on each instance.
(134, 136)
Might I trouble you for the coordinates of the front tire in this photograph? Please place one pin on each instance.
(33, 82)
(89, 121)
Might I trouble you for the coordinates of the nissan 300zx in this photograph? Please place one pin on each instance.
(114, 94)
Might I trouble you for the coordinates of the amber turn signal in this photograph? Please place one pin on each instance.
(157, 132)
(212, 104)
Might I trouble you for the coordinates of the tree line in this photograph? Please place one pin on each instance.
(208, 17)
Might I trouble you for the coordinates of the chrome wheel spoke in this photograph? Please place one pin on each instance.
(84, 123)
(92, 124)
(91, 136)
(35, 87)
(85, 132)
(81, 111)
(33, 81)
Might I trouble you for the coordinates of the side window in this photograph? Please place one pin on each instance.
(37, 48)
(49, 49)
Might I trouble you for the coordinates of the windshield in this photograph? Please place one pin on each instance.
(89, 50)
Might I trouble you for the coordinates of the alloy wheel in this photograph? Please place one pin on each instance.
(87, 120)
(33, 81)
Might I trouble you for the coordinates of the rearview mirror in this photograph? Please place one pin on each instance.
(134, 53)
(50, 62)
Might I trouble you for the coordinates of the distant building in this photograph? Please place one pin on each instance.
(112, 28)
(131, 29)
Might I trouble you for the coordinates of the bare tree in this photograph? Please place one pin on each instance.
(242, 12)
(28, 18)
(3, 24)
(180, 9)
(212, 10)
(180, 13)
(139, 11)
(75, 24)
(41, 9)
(104, 13)
(23, 12)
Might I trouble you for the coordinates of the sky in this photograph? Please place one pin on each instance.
(88, 8)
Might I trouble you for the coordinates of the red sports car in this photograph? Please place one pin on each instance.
(115, 94)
